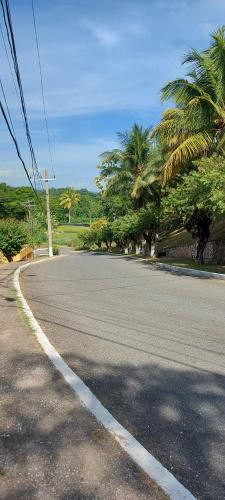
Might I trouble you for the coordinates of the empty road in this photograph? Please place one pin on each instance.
(151, 346)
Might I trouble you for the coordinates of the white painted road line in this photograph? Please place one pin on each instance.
(152, 467)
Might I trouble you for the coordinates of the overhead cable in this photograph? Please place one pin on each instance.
(18, 151)
(42, 88)
(11, 39)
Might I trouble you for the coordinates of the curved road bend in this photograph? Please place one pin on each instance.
(151, 346)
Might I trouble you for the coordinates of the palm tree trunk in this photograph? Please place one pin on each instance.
(69, 215)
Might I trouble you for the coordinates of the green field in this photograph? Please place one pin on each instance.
(68, 235)
(71, 229)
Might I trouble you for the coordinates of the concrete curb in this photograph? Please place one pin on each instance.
(189, 272)
(147, 462)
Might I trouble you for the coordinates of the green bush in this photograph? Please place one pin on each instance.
(14, 234)
(88, 238)
(55, 250)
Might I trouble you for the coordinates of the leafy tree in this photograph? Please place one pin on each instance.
(124, 230)
(69, 199)
(98, 224)
(14, 235)
(147, 226)
(196, 126)
(12, 201)
(116, 205)
(107, 235)
(198, 201)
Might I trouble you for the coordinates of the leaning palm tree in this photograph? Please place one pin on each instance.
(69, 199)
(196, 126)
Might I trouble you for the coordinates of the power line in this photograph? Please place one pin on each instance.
(18, 152)
(7, 107)
(42, 88)
(10, 35)
(10, 68)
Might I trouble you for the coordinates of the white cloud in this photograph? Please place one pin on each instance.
(75, 162)
(104, 35)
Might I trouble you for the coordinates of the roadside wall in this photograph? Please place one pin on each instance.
(3, 259)
(214, 252)
(25, 253)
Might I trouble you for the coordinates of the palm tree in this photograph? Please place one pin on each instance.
(69, 199)
(196, 126)
(132, 168)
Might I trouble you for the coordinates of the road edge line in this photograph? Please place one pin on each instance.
(150, 465)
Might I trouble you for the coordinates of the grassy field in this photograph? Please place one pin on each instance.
(68, 235)
(71, 229)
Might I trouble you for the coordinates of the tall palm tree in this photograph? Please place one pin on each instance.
(196, 126)
(69, 199)
(131, 168)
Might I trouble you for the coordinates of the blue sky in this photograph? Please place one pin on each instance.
(104, 62)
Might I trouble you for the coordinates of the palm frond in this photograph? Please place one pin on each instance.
(190, 149)
(180, 91)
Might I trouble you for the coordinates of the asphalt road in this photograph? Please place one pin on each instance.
(151, 346)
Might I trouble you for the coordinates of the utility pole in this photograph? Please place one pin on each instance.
(50, 248)
(29, 206)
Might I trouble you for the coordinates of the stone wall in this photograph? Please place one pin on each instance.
(214, 252)
(3, 259)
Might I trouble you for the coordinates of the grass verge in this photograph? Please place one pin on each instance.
(190, 264)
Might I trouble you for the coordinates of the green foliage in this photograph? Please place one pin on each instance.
(69, 199)
(125, 229)
(98, 224)
(69, 235)
(135, 225)
(130, 172)
(196, 126)
(88, 208)
(202, 189)
(99, 234)
(55, 250)
(88, 238)
(13, 236)
(199, 194)
(12, 201)
(70, 229)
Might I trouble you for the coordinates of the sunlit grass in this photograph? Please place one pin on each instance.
(71, 229)
(68, 236)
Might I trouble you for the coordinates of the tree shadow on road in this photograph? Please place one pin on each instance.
(178, 415)
(51, 447)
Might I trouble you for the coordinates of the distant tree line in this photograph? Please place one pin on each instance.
(13, 204)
